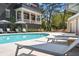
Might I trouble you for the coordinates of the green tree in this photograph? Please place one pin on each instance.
(56, 15)
(59, 20)
(43, 25)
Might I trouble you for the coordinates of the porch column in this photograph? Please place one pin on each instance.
(40, 19)
(76, 26)
(30, 18)
(22, 15)
(16, 15)
(68, 26)
(35, 18)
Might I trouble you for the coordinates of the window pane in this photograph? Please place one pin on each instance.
(7, 13)
(18, 14)
(33, 17)
(38, 18)
(26, 15)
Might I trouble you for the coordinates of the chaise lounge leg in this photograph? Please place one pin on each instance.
(48, 40)
(30, 52)
(17, 50)
(66, 54)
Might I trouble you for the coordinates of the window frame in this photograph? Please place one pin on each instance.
(7, 13)
(18, 15)
(26, 15)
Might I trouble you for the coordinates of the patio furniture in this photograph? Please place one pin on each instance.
(60, 37)
(22, 25)
(70, 41)
(4, 24)
(8, 30)
(49, 48)
(23, 30)
(17, 30)
(1, 30)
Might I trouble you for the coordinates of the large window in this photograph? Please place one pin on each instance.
(18, 14)
(33, 16)
(7, 13)
(26, 15)
(38, 18)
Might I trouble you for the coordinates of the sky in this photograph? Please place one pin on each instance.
(46, 8)
(45, 5)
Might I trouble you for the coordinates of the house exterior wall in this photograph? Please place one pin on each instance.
(3, 6)
(9, 6)
(73, 21)
(77, 25)
(36, 9)
(13, 6)
(13, 17)
(30, 12)
(73, 25)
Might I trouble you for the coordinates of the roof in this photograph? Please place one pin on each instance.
(74, 16)
(4, 21)
(20, 22)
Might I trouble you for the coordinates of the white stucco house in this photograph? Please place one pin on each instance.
(31, 15)
(28, 13)
(73, 24)
(73, 21)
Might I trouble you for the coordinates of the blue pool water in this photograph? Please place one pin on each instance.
(20, 37)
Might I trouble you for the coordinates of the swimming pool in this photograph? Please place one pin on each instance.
(20, 37)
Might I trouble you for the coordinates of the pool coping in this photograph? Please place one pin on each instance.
(23, 33)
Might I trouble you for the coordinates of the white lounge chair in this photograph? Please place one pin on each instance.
(49, 48)
(60, 37)
(8, 30)
(1, 30)
(23, 30)
(17, 30)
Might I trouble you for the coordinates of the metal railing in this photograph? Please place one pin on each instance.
(32, 21)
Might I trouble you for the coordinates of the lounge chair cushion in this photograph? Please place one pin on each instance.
(8, 30)
(1, 30)
(50, 48)
(24, 30)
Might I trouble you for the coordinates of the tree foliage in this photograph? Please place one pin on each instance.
(57, 17)
(43, 25)
(50, 10)
(59, 22)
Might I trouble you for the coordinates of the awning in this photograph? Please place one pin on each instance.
(20, 22)
(4, 22)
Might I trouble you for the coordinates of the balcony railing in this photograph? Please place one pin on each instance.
(35, 22)
(32, 21)
(27, 20)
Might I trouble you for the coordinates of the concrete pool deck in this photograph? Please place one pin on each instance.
(9, 49)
